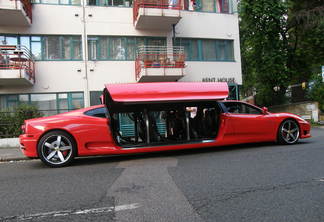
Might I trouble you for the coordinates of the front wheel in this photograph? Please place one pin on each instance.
(288, 132)
(56, 149)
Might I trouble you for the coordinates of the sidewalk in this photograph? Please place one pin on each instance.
(11, 154)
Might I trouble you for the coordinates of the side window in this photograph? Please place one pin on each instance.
(246, 109)
(98, 112)
(232, 107)
(241, 108)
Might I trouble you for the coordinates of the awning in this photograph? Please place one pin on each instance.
(137, 93)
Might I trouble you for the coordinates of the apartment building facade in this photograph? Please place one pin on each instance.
(58, 54)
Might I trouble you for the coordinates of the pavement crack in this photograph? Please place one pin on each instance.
(237, 194)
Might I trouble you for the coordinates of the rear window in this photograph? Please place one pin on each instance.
(97, 112)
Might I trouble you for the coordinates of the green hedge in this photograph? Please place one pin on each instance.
(11, 121)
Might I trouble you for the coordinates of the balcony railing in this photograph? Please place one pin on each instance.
(17, 57)
(157, 57)
(155, 4)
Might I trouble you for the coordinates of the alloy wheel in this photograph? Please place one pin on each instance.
(56, 149)
(290, 131)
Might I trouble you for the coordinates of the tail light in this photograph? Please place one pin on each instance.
(23, 128)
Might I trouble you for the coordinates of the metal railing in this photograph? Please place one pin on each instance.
(159, 57)
(158, 4)
(17, 57)
(27, 7)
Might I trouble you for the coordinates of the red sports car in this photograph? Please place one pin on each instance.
(146, 117)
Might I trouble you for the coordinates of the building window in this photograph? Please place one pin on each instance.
(47, 103)
(218, 6)
(52, 47)
(118, 47)
(58, 2)
(118, 3)
(190, 47)
(48, 47)
(224, 50)
(233, 92)
(208, 6)
(207, 49)
(95, 98)
(76, 100)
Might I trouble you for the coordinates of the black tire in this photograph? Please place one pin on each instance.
(57, 149)
(288, 132)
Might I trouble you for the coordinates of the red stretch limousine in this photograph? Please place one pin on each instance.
(146, 117)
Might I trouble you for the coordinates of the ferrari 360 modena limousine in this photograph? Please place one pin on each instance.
(147, 117)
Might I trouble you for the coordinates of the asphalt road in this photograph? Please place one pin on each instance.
(254, 182)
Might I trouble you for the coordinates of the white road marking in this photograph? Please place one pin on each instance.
(321, 179)
(63, 213)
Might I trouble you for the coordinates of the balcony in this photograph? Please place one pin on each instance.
(15, 13)
(159, 64)
(17, 67)
(156, 14)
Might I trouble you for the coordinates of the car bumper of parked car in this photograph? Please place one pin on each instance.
(28, 144)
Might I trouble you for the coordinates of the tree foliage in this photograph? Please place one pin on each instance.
(316, 91)
(281, 44)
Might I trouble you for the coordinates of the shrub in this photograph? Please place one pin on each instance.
(11, 121)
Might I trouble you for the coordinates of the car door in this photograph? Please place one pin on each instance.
(249, 123)
(96, 132)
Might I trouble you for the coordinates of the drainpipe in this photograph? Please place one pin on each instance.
(85, 55)
(173, 34)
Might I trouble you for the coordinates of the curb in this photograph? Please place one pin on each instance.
(9, 147)
(9, 143)
(13, 159)
(318, 127)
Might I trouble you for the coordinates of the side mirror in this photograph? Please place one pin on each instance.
(265, 110)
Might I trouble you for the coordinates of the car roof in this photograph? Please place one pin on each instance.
(165, 91)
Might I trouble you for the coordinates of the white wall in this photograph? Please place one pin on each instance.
(196, 71)
(123, 72)
(60, 76)
(110, 72)
(51, 19)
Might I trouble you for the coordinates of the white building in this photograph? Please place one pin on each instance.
(79, 45)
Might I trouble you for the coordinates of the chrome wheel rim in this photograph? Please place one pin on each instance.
(57, 149)
(290, 131)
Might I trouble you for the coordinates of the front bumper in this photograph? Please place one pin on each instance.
(305, 129)
(28, 145)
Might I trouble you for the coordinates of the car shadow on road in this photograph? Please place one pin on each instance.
(114, 159)
(179, 153)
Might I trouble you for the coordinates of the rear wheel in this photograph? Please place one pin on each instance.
(288, 132)
(56, 149)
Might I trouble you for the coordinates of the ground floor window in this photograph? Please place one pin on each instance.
(47, 103)
(233, 92)
(95, 98)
